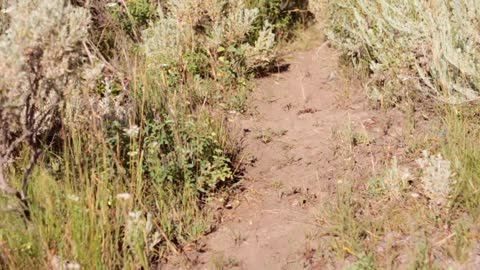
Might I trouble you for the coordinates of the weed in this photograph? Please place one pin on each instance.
(362, 263)
(264, 137)
(460, 146)
(436, 177)
(395, 180)
(131, 138)
(284, 16)
(277, 184)
(238, 237)
(220, 262)
(406, 51)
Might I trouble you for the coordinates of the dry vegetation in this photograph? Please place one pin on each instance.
(113, 135)
(113, 123)
(421, 211)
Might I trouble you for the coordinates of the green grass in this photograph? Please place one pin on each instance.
(121, 189)
(462, 147)
(412, 56)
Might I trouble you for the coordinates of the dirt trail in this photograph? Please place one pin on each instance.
(288, 131)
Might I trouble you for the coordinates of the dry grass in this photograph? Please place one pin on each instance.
(421, 57)
(134, 153)
(409, 46)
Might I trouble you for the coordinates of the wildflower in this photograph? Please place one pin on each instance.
(132, 131)
(135, 215)
(73, 197)
(108, 85)
(132, 153)
(156, 238)
(57, 262)
(124, 196)
(153, 147)
(111, 4)
(72, 266)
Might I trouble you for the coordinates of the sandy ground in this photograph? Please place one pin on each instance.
(288, 132)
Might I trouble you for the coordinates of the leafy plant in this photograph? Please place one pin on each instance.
(135, 141)
(436, 177)
(283, 15)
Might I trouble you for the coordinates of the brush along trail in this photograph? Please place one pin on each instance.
(287, 137)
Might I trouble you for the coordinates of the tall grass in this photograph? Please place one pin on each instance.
(412, 49)
(424, 53)
(142, 146)
(461, 146)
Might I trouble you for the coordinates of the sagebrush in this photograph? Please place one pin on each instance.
(115, 114)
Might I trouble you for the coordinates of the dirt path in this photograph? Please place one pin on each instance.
(288, 132)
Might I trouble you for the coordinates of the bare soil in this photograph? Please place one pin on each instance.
(289, 139)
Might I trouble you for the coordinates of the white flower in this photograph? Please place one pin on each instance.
(73, 197)
(111, 4)
(8, 9)
(57, 262)
(132, 153)
(135, 215)
(124, 196)
(72, 266)
(132, 131)
(108, 85)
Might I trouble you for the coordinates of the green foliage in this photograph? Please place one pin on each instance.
(133, 16)
(211, 42)
(363, 263)
(143, 144)
(406, 50)
(284, 16)
(461, 146)
(415, 47)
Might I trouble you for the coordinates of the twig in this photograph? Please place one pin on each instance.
(444, 240)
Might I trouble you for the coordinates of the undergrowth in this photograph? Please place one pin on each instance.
(421, 212)
(115, 135)
(409, 46)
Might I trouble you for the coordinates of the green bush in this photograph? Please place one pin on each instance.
(284, 15)
(133, 16)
